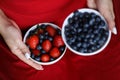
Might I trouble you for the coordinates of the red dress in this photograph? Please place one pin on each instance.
(104, 66)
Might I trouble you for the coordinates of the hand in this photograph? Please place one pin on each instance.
(106, 9)
(13, 38)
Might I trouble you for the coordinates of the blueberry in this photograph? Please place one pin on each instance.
(93, 48)
(72, 40)
(32, 32)
(81, 15)
(93, 15)
(89, 51)
(38, 26)
(90, 41)
(59, 31)
(80, 20)
(62, 48)
(76, 25)
(82, 35)
(95, 32)
(74, 47)
(84, 45)
(70, 21)
(98, 46)
(97, 38)
(81, 50)
(43, 51)
(76, 13)
(86, 25)
(79, 30)
(100, 42)
(32, 56)
(43, 26)
(46, 33)
(79, 44)
(102, 23)
(79, 39)
(73, 32)
(92, 35)
(76, 18)
(41, 36)
(85, 30)
(51, 59)
(41, 40)
(67, 34)
(50, 38)
(92, 21)
(87, 36)
(46, 37)
(37, 59)
(86, 15)
(69, 42)
(85, 40)
(94, 41)
(85, 50)
(90, 31)
(95, 27)
(97, 19)
(67, 28)
(39, 47)
(107, 33)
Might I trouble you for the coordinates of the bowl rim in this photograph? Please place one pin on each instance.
(89, 11)
(34, 27)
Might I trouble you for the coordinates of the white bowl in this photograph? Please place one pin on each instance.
(44, 63)
(66, 22)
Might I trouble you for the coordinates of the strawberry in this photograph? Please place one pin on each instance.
(51, 30)
(32, 41)
(40, 31)
(35, 52)
(55, 53)
(58, 42)
(46, 45)
(45, 58)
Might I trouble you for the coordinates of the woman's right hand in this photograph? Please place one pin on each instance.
(11, 33)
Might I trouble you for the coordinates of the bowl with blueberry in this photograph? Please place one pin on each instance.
(85, 32)
(45, 43)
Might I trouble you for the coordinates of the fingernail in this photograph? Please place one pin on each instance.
(27, 55)
(114, 30)
(40, 68)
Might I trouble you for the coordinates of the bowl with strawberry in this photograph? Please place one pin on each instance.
(45, 42)
(85, 32)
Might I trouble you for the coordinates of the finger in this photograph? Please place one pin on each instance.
(110, 19)
(22, 57)
(13, 22)
(112, 9)
(91, 4)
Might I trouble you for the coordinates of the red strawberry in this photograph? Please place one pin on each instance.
(40, 31)
(58, 42)
(51, 30)
(45, 58)
(46, 45)
(33, 41)
(55, 53)
(35, 52)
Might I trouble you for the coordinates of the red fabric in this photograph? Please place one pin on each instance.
(104, 66)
